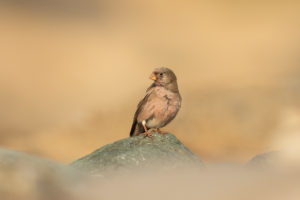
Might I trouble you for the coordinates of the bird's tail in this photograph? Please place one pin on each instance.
(136, 128)
(133, 128)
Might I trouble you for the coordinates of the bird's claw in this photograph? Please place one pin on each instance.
(148, 134)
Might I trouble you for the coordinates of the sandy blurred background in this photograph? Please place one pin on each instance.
(72, 73)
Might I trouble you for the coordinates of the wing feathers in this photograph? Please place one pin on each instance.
(143, 112)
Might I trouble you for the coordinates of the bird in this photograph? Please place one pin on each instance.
(160, 104)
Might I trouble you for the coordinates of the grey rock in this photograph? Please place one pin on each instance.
(23, 176)
(134, 153)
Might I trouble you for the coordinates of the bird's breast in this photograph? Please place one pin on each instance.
(166, 107)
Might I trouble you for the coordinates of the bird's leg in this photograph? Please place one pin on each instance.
(147, 133)
(161, 132)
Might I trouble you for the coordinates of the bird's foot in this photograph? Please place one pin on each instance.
(161, 132)
(148, 134)
(152, 130)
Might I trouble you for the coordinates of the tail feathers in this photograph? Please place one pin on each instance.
(133, 128)
(136, 128)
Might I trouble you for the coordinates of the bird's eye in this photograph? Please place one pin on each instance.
(161, 74)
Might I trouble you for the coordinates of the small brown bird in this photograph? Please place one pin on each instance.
(160, 105)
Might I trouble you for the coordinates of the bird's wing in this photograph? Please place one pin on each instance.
(145, 107)
(143, 110)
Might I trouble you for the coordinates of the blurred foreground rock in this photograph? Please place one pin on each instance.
(32, 178)
(266, 160)
(136, 153)
(23, 176)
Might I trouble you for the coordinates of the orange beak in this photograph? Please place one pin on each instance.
(153, 77)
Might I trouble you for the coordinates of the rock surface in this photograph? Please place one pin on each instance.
(163, 152)
(23, 176)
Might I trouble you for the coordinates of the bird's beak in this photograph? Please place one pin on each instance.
(153, 77)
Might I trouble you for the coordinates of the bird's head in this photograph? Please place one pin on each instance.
(163, 76)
